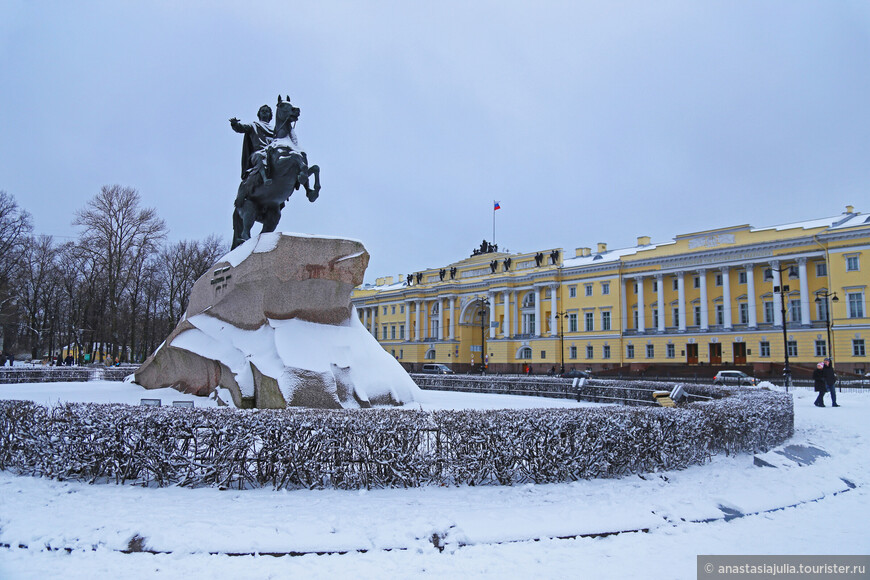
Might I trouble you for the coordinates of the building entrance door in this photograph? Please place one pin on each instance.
(692, 354)
(715, 353)
(739, 353)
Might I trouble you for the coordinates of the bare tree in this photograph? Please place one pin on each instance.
(120, 236)
(15, 229)
(185, 262)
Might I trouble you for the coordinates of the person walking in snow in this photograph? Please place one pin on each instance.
(830, 381)
(819, 384)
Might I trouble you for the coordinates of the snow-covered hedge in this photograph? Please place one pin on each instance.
(351, 449)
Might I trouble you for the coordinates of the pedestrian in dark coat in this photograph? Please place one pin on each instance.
(830, 381)
(819, 383)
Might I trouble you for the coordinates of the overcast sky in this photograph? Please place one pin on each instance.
(588, 121)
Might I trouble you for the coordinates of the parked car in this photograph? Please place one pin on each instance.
(575, 374)
(437, 369)
(734, 378)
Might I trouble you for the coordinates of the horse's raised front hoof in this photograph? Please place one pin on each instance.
(312, 195)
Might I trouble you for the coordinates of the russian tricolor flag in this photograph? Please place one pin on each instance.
(495, 206)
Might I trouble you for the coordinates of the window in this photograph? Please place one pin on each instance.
(792, 348)
(696, 282)
(741, 277)
(821, 348)
(430, 355)
(670, 351)
(605, 351)
(720, 314)
(401, 311)
(385, 332)
(852, 263)
(401, 353)
(393, 332)
(572, 291)
(629, 351)
(385, 310)
(635, 287)
(605, 320)
(856, 304)
(529, 300)
(821, 269)
(675, 314)
(572, 322)
(375, 333)
(588, 288)
(655, 317)
(590, 352)
(676, 283)
(768, 311)
(655, 287)
(525, 353)
(392, 309)
(858, 347)
(650, 351)
(634, 315)
(794, 310)
(718, 279)
(764, 349)
(543, 355)
(401, 332)
(744, 312)
(697, 311)
(605, 287)
(589, 318)
(822, 310)
(528, 324)
(572, 352)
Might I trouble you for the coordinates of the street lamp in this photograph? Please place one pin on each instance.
(782, 289)
(483, 305)
(561, 316)
(828, 298)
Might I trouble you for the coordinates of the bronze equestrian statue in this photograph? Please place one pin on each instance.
(273, 167)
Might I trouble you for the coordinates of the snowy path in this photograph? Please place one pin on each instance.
(486, 531)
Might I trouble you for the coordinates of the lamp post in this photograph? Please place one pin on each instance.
(828, 297)
(561, 316)
(782, 289)
(483, 360)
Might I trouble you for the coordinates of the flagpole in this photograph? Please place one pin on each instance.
(493, 222)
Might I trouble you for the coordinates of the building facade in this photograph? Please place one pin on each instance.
(733, 297)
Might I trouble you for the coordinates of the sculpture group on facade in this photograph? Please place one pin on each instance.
(273, 167)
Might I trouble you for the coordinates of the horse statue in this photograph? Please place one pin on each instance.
(282, 167)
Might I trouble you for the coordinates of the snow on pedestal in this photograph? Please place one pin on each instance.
(272, 322)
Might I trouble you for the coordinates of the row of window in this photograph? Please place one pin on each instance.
(821, 350)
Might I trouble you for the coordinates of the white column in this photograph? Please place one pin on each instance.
(507, 314)
(750, 295)
(407, 321)
(372, 326)
(490, 296)
(777, 283)
(554, 308)
(705, 312)
(515, 314)
(641, 307)
(681, 300)
(425, 332)
(418, 336)
(726, 296)
(365, 316)
(623, 305)
(440, 319)
(538, 322)
(660, 299)
(805, 292)
(452, 317)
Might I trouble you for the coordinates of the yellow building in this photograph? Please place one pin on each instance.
(713, 298)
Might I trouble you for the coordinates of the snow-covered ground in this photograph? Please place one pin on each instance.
(657, 524)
